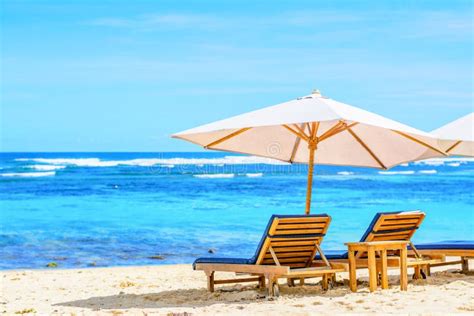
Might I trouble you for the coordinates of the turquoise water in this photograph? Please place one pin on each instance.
(111, 209)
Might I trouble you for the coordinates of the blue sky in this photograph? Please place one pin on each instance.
(124, 75)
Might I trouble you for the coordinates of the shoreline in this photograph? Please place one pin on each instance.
(176, 288)
(89, 268)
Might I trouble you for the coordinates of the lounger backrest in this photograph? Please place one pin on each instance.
(394, 226)
(294, 240)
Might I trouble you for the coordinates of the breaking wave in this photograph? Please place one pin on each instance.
(345, 173)
(254, 175)
(428, 171)
(454, 162)
(96, 162)
(397, 172)
(46, 167)
(28, 174)
(215, 176)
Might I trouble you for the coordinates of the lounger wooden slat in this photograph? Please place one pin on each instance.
(391, 237)
(303, 220)
(288, 245)
(300, 226)
(283, 242)
(297, 231)
(403, 221)
(290, 254)
(293, 248)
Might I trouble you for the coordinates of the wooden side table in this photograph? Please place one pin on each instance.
(382, 247)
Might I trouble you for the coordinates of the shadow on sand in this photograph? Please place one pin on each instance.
(199, 297)
(232, 295)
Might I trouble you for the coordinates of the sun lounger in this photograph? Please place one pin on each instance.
(389, 226)
(450, 248)
(286, 250)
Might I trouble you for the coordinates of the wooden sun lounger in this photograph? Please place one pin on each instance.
(386, 227)
(464, 249)
(286, 250)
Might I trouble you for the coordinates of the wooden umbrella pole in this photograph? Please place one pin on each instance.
(312, 145)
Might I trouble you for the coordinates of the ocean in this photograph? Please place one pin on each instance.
(117, 209)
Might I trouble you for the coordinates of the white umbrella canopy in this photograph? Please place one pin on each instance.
(457, 137)
(315, 129)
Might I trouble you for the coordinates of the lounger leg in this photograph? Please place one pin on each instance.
(270, 281)
(291, 282)
(428, 270)
(417, 275)
(301, 281)
(261, 282)
(325, 282)
(424, 271)
(379, 274)
(384, 273)
(465, 265)
(210, 280)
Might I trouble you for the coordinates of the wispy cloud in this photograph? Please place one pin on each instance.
(148, 21)
(311, 25)
(446, 26)
(177, 19)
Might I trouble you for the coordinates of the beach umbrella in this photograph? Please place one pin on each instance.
(317, 130)
(457, 137)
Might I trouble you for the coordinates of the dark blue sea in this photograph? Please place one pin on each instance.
(116, 209)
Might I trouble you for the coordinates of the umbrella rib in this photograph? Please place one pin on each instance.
(336, 131)
(314, 129)
(416, 140)
(453, 146)
(225, 138)
(357, 138)
(295, 148)
(329, 131)
(300, 135)
(300, 128)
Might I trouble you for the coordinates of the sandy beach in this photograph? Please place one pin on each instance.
(178, 290)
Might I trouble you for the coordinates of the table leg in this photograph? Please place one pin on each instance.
(403, 269)
(352, 272)
(372, 265)
(384, 270)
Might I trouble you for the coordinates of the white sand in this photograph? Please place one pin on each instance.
(164, 290)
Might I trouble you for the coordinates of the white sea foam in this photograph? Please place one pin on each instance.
(254, 175)
(442, 161)
(167, 166)
(431, 162)
(96, 162)
(215, 176)
(29, 174)
(432, 171)
(345, 173)
(397, 172)
(454, 164)
(46, 167)
(406, 164)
